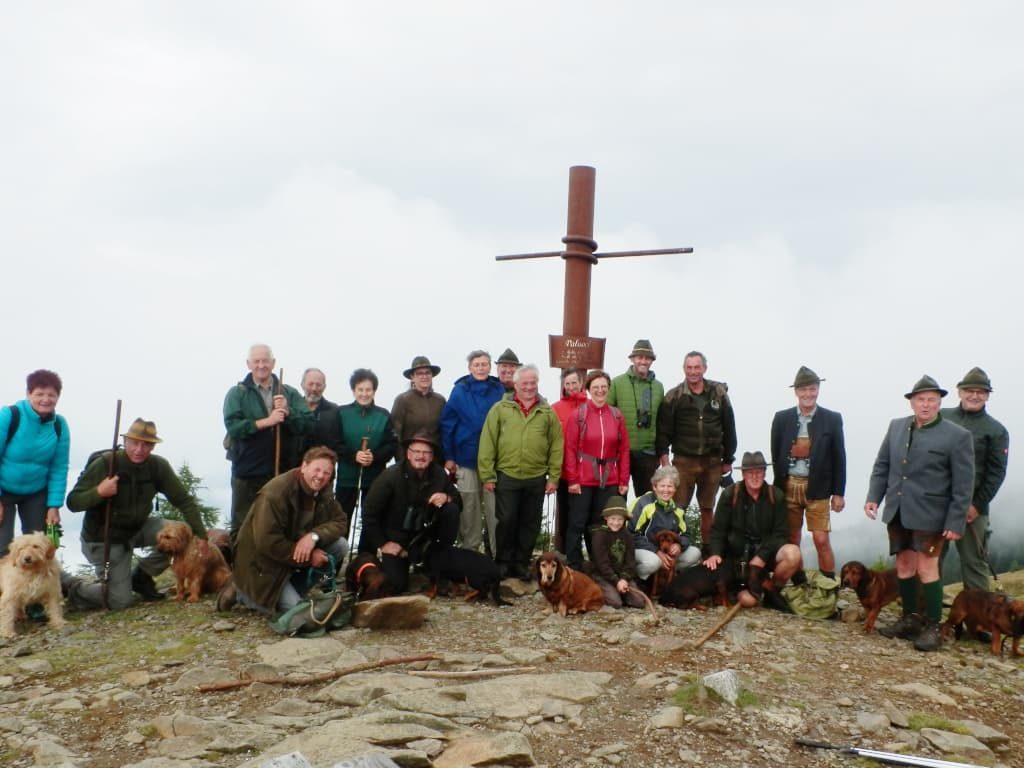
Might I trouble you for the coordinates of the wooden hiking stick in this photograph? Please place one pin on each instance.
(230, 685)
(729, 616)
(105, 577)
(647, 600)
(277, 427)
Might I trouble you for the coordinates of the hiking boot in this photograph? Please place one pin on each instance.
(143, 584)
(930, 637)
(227, 597)
(907, 628)
(35, 612)
(798, 578)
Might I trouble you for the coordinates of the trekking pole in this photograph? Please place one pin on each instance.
(105, 578)
(277, 427)
(364, 444)
(891, 758)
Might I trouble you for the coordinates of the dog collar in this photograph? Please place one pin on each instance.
(362, 568)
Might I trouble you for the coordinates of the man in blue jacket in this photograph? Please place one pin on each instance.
(925, 473)
(461, 422)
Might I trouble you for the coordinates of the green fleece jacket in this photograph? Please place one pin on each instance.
(522, 446)
(250, 449)
(629, 393)
(137, 485)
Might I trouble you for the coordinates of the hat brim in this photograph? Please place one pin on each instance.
(973, 385)
(141, 438)
(942, 392)
(756, 466)
(420, 439)
(796, 384)
(644, 352)
(434, 370)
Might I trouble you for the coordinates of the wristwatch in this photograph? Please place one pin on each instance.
(314, 536)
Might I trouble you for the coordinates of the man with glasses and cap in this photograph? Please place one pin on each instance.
(418, 409)
(638, 395)
(809, 465)
(925, 473)
(991, 449)
(751, 531)
(139, 475)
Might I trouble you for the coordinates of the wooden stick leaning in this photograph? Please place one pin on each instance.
(323, 677)
(277, 427)
(729, 616)
(111, 471)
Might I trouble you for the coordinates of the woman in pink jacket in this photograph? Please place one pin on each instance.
(596, 463)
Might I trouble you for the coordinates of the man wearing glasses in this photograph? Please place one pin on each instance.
(411, 507)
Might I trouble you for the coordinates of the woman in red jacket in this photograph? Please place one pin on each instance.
(596, 463)
(565, 408)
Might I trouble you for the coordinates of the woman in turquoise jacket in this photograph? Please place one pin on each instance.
(34, 446)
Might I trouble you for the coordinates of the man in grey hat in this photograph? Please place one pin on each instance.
(750, 533)
(638, 395)
(418, 409)
(925, 473)
(139, 475)
(991, 449)
(809, 465)
(507, 364)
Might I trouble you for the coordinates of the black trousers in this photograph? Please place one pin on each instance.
(641, 467)
(243, 493)
(585, 511)
(519, 507)
(441, 533)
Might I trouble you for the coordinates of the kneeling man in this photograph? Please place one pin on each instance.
(294, 524)
(410, 507)
(751, 529)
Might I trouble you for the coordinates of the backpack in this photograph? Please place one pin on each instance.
(58, 424)
(581, 419)
(815, 599)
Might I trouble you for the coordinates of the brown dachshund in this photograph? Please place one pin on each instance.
(662, 577)
(876, 589)
(366, 578)
(567, 591)
(983, 611)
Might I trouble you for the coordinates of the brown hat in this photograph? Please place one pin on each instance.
(975, 379)
(508, 356)
(753, 460)
(143, 431)
(420, 361)
(805, 377)
(643, 347)
(422, 436)
(616, 505)
(926, 384)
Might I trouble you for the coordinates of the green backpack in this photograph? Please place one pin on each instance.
(816, 599)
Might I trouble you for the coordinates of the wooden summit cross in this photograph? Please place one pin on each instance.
(575, 348)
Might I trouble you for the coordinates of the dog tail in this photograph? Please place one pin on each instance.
(650, 605)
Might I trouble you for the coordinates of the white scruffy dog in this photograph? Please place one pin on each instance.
(30, 574)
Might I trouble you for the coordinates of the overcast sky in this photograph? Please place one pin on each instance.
(183, 179)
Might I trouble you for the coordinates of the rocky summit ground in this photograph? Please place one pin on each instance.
(509, 686)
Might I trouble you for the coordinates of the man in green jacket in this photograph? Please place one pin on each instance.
(991, 448)
(139, 476)
(751, 532)
(295, 523)
(254, 410)
(638, 395)
(520, 460)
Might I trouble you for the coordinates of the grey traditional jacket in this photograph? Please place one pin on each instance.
(926, 474)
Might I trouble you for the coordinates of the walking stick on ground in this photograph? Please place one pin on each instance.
(105, 577)
(277, 427)
(889, 758)
(729, 616)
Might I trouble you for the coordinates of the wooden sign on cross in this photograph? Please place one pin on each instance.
(575, 348)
